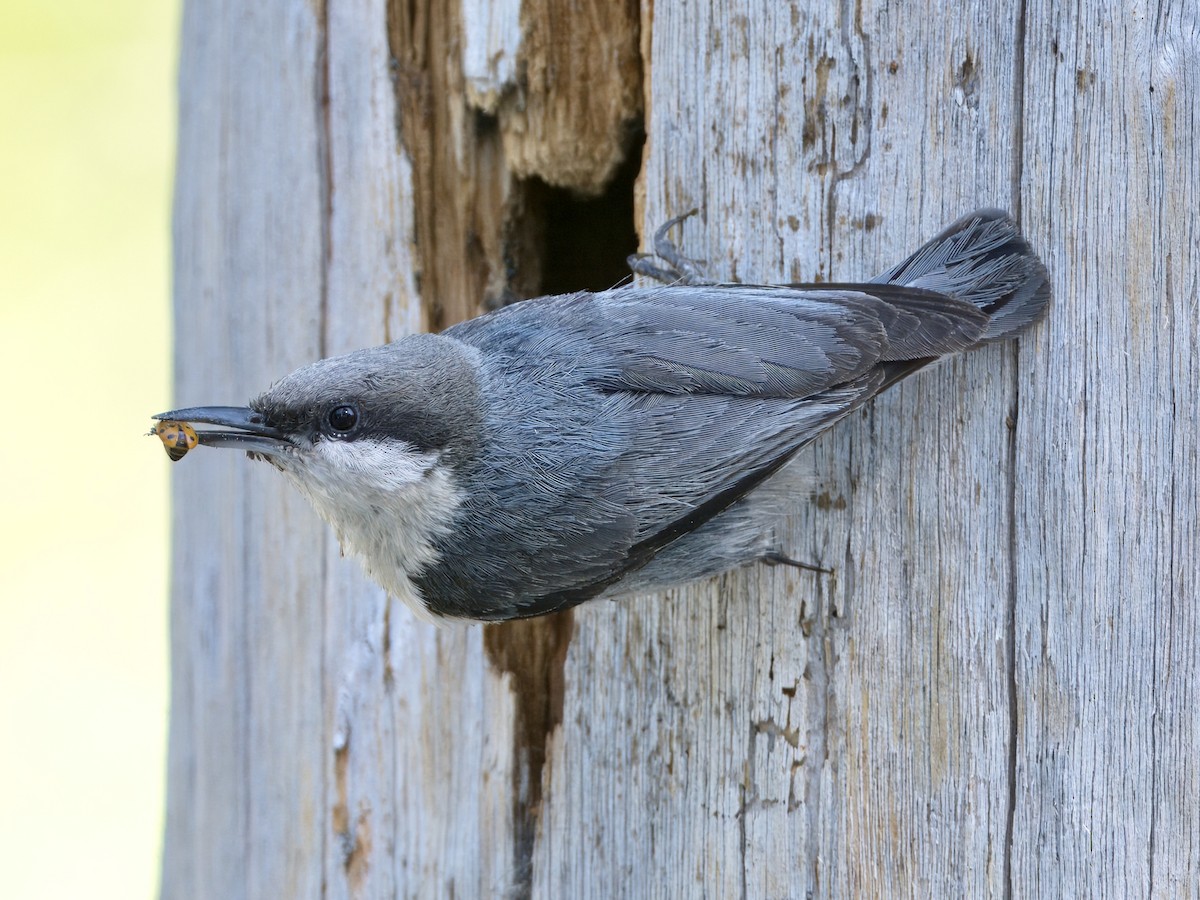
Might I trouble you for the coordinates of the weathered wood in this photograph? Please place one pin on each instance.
(246, 766)
(996, 693)
(847, 736)
(293, 229)
(1107, 675)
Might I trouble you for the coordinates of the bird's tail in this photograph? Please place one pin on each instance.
(984, 259)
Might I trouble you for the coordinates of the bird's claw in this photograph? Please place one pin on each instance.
(666, 264)
(776, 558)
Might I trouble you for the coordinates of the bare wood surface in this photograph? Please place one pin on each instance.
(1107, 787)
(248, 270)
(996, 693)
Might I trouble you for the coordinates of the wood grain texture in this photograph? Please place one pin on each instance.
(299, 761)
(1107, 785)
(995, 694)
(246, 761)
(563, 79)
(848, 736)
(569, 116)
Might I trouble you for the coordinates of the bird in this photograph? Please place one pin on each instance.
(599, 444)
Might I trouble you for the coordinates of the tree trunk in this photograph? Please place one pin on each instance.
(995, 694)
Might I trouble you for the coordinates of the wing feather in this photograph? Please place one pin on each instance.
(651, 411)
(634, 416)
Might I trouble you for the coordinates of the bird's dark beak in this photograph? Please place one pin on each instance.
(244, 429)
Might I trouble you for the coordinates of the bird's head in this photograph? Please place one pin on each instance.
(376, 436)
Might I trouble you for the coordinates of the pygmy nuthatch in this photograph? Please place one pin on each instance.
(599, 444)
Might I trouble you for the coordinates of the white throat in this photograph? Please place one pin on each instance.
(386, 501)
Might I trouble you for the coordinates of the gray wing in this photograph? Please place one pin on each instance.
(773, 341)
(648, 412)
(722, 385)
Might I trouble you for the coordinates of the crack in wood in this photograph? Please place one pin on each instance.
(500, 213)
(533, 653)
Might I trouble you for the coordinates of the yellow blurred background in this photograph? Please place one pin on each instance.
(87, 94)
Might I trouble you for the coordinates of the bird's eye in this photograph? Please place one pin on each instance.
(342, 419)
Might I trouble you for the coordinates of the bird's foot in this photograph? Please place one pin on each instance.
(666, 263)
(775, 558)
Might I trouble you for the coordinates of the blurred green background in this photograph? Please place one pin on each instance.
(87, 94)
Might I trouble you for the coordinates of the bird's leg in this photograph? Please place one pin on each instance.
(677, 268)
(775, 558)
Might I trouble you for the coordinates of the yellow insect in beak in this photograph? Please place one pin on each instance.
(177, 437)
